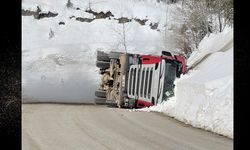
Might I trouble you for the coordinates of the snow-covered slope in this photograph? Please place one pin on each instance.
(204, 96)
(58, 61)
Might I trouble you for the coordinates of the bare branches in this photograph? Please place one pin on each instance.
(205, 17)
(51, 33)
(121, 34)
(124, 37)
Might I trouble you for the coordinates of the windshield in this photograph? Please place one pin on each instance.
(169, 78)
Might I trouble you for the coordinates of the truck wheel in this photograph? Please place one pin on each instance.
(102, 64)
(101, 101)
(102, 56)
(101, 94)
(114, 55)
(111, 103)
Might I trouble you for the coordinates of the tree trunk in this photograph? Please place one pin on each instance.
(124, 37)
(220, 24)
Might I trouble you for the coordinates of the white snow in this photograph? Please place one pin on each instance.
(211, 44)
(204, 96)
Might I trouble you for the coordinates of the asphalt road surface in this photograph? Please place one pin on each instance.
(97, 127)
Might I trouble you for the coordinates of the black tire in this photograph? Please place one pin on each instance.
(111, 103)
(102, 71)
(101, 94)
(114, 55)
(166, 53)
(100, 101)
(102, 64)
(102, 56)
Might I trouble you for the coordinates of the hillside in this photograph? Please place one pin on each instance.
(59, 43)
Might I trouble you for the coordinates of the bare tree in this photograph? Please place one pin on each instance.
(198, 22)
(51, 33)
(205, 17)
(224, 11)
(166, 28)
(121, 34)
(89, 5)
(228, 12)
(124, 37)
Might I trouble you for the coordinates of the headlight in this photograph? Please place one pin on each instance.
(123, 81)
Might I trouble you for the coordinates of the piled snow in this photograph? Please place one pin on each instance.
(213, 43)
(58, 61)
(204, 96)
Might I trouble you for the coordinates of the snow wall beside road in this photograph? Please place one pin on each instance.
(204, 96)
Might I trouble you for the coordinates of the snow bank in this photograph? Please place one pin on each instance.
(204, 96)
(214, 43)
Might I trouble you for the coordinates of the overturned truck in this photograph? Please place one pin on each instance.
(135, 80)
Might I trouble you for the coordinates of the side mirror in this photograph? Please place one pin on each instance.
(166, 53)
(179, 70)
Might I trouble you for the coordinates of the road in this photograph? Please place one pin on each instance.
(95, 127)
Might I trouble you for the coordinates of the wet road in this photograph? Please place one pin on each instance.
(79, 127)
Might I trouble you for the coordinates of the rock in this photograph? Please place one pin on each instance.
(154, 25)
(124, 20)
(45, 15)
(61, 23)
(38, 14)
(28, 12)
(141, 22)
(84, 19)
(100, 15)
